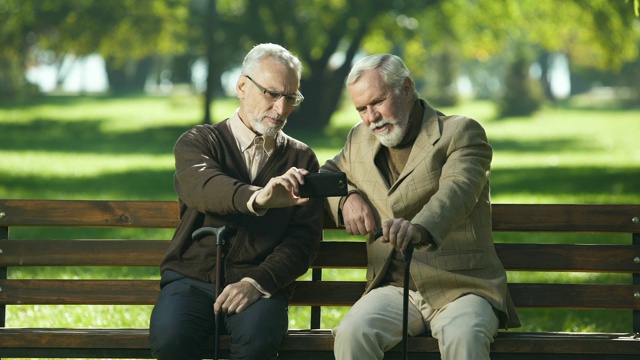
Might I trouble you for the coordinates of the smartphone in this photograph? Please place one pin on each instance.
(324, 185)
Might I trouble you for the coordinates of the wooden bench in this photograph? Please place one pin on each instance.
(314, 342)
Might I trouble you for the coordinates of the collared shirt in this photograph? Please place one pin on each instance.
(245, 139)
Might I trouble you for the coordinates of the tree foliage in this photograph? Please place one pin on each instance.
(326, 35)
(436, 38)
(120, 31)
(592, 33)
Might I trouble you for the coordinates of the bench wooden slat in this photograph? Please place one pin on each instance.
(127, 342)
(79, 292)
(307, 293)
(341, 255)
(118, 292)
(332, 254)
(164, 214)
(74, 338)
(74, 252)
(94, 213)
(576, 296)
(332, 293)
(561, 217)
(563, 342)
(514, 257)
(569, 257)
(313, 344)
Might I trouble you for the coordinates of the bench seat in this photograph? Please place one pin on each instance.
(312, 344)
(318, 292)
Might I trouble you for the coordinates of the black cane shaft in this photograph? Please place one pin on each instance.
(405, 301)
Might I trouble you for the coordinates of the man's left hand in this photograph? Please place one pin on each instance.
(236, 297)
(399, 233)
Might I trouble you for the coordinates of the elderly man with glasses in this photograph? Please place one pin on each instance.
(241, 174)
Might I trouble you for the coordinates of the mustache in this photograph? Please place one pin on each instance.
(272, 116)
(381, 123)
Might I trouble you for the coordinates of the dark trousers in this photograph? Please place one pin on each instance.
(183, 319)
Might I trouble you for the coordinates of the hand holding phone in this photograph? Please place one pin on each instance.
(324, 185)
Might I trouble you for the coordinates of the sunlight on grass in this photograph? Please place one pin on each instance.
(569, 278)
(62, 164)
(101, 316)
(121, 148)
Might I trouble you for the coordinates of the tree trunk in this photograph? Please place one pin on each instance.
(323, 90)
(129, 78)
(315, 112)
(208, 30)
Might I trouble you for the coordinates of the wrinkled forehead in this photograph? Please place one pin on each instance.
(368, 88)
(275, 76)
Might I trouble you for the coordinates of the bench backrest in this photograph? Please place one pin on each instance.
(340, 254)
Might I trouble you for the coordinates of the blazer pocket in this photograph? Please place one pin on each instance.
(462, 260)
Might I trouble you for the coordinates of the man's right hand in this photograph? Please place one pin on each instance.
(357, 215)
(280, 191)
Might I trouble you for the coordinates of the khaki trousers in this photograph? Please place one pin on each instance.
(464, 328)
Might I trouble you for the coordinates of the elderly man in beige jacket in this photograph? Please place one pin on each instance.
(422, 177)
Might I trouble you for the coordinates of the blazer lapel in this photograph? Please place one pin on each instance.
(430, 133)
(370, 147)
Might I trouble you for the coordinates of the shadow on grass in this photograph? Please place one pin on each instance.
(331, 138)
(335, 137)
(87, 136)
(567, 181)
(52, 100)
(130, 185)
(555, 145)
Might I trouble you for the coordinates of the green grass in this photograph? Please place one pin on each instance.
(121, 148)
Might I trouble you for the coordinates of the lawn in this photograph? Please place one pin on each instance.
(121, 148)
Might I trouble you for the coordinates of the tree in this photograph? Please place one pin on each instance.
(122, 32)
(326, 35)
(593, 33)
(522, 96)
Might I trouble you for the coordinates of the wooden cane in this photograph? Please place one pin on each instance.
(219, 233)
(219, 243)
(408, 251)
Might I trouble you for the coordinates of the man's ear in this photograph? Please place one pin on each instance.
(241, 86)
(407, 87)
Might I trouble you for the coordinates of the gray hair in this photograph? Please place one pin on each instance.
(267, 50)
(392, 69)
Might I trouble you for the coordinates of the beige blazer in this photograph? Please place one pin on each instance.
(445, 188)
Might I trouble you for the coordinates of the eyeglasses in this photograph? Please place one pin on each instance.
(294, 100)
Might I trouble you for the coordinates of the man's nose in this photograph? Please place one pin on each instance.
(280, 105)
(371, 115)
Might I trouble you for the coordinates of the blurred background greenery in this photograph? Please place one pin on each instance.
(519, 54)
(93, 95)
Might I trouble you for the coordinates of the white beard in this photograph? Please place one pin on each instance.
(266, 130)
(392, 138)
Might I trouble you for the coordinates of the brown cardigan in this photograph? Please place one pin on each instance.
(213, 188)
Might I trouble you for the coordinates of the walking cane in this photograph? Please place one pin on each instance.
(219, 233)
(408, 251)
